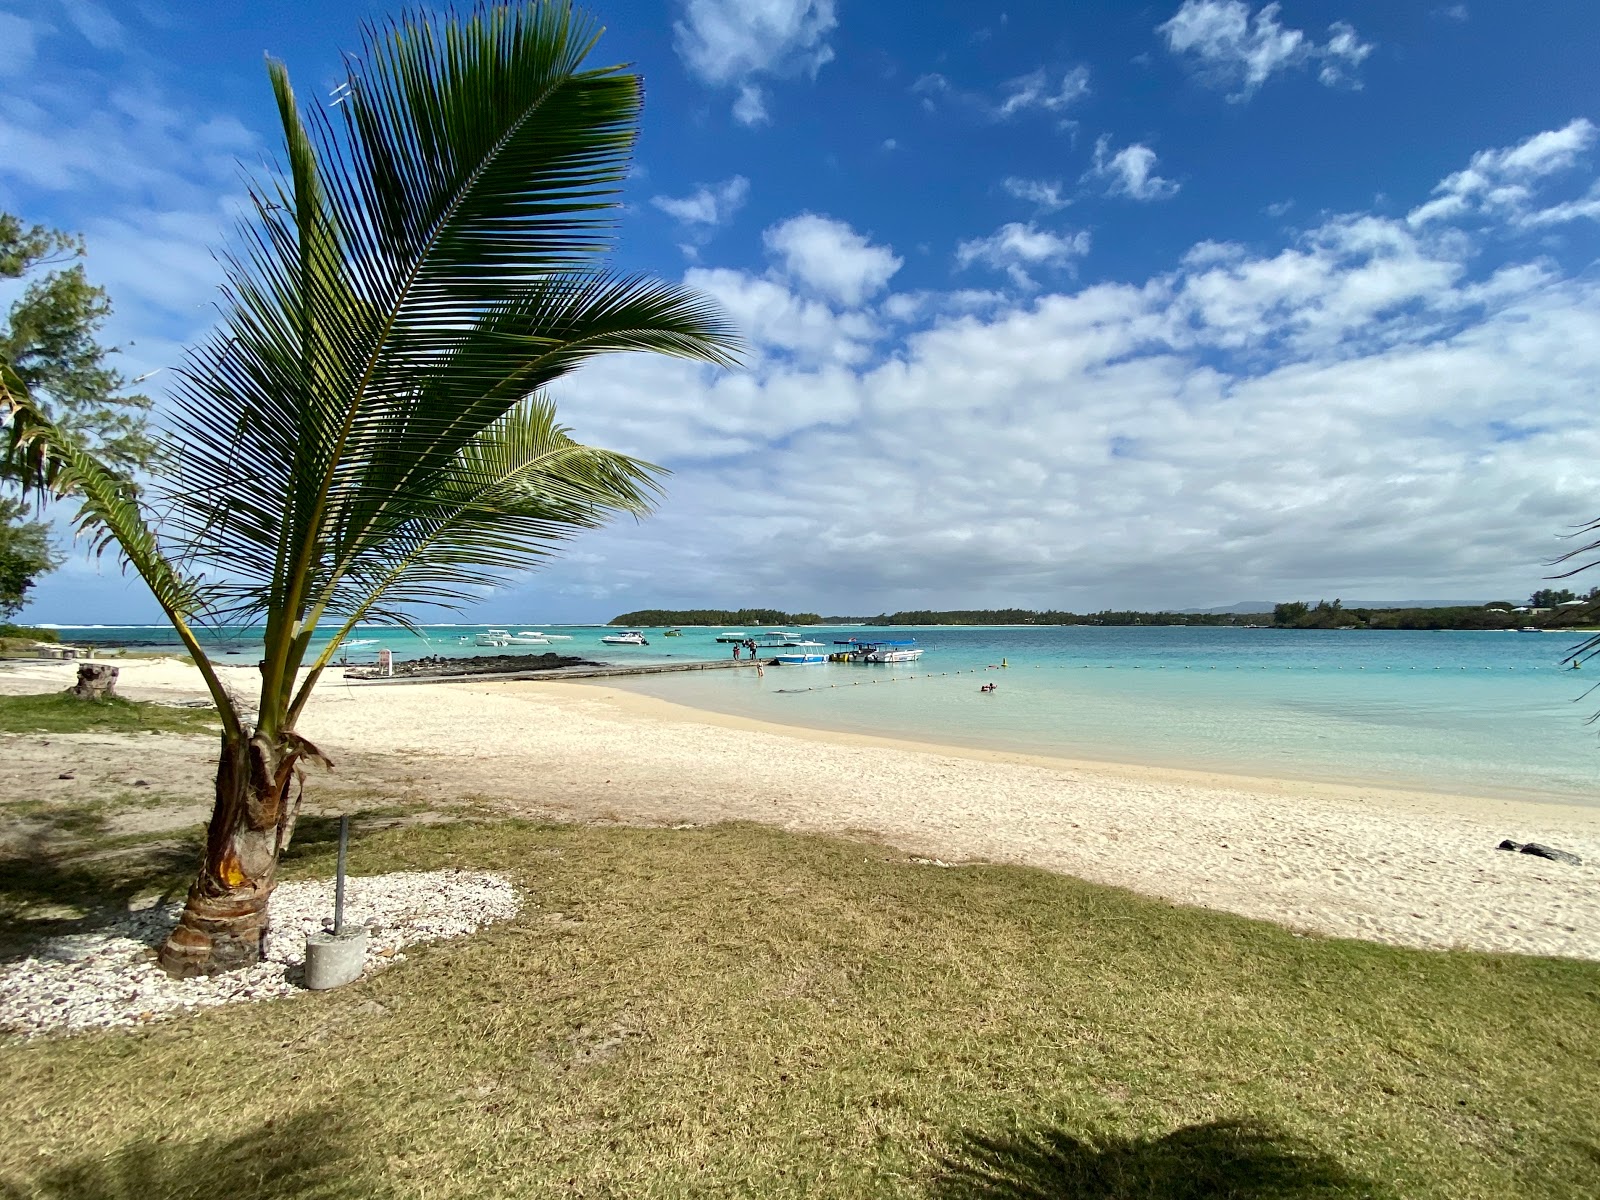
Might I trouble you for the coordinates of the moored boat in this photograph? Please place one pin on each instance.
(796, 654)
(883, 650)
(629, 637)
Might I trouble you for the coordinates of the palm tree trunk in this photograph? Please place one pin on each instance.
(224, 922)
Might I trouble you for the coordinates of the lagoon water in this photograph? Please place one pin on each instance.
(1477, 713)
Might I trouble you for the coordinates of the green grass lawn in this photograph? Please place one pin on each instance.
(736, 1011)
(62, 712)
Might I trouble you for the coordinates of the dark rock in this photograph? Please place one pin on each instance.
(1508, 844)
(482, 664)
(1554, 855)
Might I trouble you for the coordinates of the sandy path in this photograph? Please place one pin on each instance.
(1406, 868)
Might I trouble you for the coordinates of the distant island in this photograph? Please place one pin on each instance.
(1545, 609)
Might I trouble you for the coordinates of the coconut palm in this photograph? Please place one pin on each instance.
(368, 429)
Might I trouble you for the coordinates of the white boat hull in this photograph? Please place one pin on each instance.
(891, 656)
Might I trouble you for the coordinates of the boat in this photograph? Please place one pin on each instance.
(543, 637)
(733, 635)
(504, 637)
(673, 633)
(883, 650)
(629, 637)
(797, 654)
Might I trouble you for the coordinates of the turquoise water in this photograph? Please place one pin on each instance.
(1491, 714)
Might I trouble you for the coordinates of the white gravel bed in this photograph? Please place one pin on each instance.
(110, 977)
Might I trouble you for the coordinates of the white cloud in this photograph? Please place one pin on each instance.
(750, 106)
(1129, 172)
(710, 204)
(1038, 90)
(1046, 193)
(731, 42)
(1230, 48)
(1501, 183)
(831, 257)
(1361, 407)
(1017, 248)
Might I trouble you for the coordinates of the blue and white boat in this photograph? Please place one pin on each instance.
(798, 654)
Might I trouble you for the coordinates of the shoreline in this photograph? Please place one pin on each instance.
(1385, 865)
(1439, 801)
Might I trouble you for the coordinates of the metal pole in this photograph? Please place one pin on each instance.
(338, 886)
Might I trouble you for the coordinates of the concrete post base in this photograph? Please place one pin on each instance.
(335, 961)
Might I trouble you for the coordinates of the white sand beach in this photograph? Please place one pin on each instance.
(1405, 868)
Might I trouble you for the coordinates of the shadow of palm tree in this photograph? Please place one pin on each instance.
(102, 886)
(1239, 1160)
(303, 1157)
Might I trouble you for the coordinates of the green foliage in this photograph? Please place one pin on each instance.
(32, 635)
(25, 554)
(1550, 597)
(49, 350)
(368, 429)
(50, 340)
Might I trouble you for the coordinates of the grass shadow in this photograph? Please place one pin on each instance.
(304, 1156)
(101, 885)
(1238, 1159)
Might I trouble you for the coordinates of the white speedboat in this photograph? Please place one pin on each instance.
(504, 637)
(527, 637)
(801, 654)
(630, 637)
(885, 650)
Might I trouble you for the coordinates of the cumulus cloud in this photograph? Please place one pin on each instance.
(1230, 48)
(1365, 406)
(735, 42)
(1502, 182)
(1017, 248)
(1129, 172)
(709, 205)
(832, 258)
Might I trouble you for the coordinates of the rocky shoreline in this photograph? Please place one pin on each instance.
(435, 666)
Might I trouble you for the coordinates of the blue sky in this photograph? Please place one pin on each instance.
(1079, 306)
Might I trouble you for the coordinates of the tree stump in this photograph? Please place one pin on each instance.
(96, 681)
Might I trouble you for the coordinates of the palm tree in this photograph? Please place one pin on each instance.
(367, 429)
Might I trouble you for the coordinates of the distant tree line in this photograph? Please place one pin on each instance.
(1498, 614)
(733, 617)
(996, 616)
(1325, 614)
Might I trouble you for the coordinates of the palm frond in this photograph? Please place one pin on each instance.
(429, 258)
